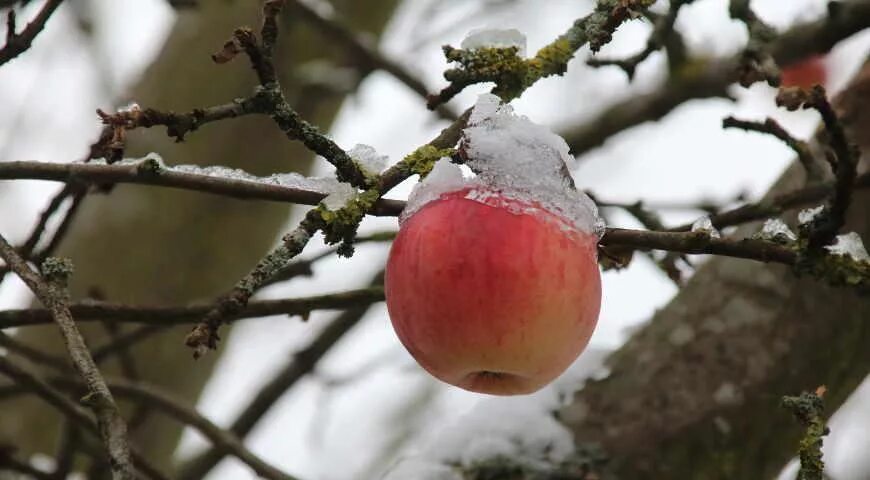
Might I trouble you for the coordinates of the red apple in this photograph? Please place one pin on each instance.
(805, 73)
(495, 295)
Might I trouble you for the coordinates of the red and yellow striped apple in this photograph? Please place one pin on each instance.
(492, 294)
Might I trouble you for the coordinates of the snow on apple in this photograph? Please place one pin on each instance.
(492, 282)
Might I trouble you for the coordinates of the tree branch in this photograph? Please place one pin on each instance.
(52, 294)
(18, 43)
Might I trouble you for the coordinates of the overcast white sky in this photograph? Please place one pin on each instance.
(314, 426)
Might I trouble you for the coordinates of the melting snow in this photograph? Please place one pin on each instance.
(850, 244)
(514, 159)
(495, 38)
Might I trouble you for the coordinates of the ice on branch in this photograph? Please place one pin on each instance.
(807, 215)
(324, 185)
(495, 38)
(130, 107)
(705, 225)
(444, 178)
(368, 158)
(849, 245)
(513, 158)
(776, 230)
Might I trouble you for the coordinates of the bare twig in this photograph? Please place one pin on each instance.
(709, 78)
(18, 43)
(757, 61)
(96, 174)
(52, 293)
(223, 440)
(168, 316)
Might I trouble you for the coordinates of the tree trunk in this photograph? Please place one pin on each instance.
(158, 246)
(696, 393)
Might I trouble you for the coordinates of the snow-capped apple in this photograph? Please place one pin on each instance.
(492, 283)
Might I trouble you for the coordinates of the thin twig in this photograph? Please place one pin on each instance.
(772, 127)
(844, 162)
(52, 294)
(18, 43)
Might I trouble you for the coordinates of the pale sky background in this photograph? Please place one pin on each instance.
(332, 423)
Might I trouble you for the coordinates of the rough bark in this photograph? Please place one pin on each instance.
(165, 247)
(696, 393)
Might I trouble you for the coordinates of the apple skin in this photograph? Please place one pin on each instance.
(805, 73)
(490, 300)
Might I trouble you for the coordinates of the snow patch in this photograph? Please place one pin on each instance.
(323, 185)
(495, 38)
(849, 245)
(807, 215)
